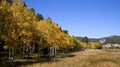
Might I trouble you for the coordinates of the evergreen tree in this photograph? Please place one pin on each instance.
(39, 17)
(85, 39)
(33, 10)
(65, 31)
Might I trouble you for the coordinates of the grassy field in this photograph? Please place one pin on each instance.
(87, 58)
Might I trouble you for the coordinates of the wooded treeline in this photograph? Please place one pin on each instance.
(23, 32)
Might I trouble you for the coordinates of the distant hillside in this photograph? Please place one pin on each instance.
(90, 39)
(78, 37)
(111, 39)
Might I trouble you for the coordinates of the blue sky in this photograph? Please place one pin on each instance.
(92, 18)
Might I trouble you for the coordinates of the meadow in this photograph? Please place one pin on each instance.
(87, 58)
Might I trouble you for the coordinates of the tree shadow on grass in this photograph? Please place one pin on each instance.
(68, 54)
(23, 62)
(31, 61)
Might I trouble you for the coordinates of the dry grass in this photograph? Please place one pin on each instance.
(87, 58)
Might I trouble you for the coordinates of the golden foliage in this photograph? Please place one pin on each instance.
(19, 26)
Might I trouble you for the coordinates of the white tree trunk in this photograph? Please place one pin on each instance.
(12, 55)
(9, 54)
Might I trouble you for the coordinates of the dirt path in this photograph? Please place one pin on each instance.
(87, 58)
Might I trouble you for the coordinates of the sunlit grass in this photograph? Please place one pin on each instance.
(87, 58)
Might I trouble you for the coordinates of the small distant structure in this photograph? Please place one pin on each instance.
(102, 41)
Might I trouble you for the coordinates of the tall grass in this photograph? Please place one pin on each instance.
(87, 58)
